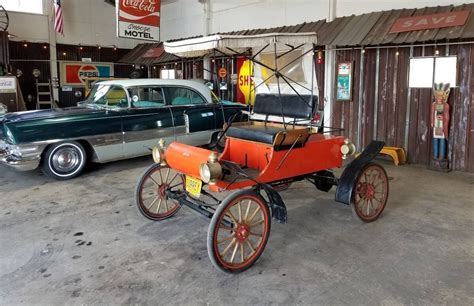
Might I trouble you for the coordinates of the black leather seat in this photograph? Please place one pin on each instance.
(292, 106)
(258, 133)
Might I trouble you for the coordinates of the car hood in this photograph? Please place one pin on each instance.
(48, 113)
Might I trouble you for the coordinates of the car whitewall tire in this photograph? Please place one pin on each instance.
(65, 160)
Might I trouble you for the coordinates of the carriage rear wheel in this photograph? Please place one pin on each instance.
(151, 195)
(239, 231)
(370, 193)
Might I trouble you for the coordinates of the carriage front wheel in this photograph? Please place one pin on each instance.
(151, 192)
(239, 231)
(370, 192)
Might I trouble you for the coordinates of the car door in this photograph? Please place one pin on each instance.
(146, 121)
(104, 124)
(194, 117)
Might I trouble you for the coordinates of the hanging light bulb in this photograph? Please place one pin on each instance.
(436, 52)
(319, 58)
(25, 45)
(45, 47)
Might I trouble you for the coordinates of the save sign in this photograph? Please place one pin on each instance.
(138, 19)
(434, 21)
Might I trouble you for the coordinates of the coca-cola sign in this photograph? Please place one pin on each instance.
(138, 19)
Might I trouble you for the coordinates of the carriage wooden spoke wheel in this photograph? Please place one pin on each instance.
(239, 231)
(151, 192)
(370, 192)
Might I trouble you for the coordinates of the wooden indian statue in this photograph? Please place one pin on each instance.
(440, 124)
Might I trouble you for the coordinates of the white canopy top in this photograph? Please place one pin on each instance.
(196, 47)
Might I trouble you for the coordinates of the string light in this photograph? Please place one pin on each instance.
(25, 45)
(437, 52)
(397, 53)
(363, 50)
(45, 47)
(64, 53)
(115, 48)
(80, 47)
(99, 47)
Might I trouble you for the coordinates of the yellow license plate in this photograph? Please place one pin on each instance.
(193, 186)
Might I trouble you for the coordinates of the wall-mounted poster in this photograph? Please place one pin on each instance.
(138, 19)
(344, 81)
(75, 73)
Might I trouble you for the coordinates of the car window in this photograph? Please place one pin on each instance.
(107, 95)
(145, 96)
(184, 96)
(116, 96)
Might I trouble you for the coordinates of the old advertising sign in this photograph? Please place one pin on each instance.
(344, 81)
(222, 72)
(424, 22)
(75, 73)
(138, 19)
(7, 84)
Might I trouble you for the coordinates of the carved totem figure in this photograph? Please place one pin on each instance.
(440, 124)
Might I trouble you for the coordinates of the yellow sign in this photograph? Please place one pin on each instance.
(246, 84)
(193, 186)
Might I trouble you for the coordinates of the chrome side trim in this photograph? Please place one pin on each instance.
(133, 136)
(197, 138)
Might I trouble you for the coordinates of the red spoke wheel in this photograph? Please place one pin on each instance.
(151, 195)
(370, 193)
(239, 231)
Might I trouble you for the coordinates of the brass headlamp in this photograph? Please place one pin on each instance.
(158, 153)
(211, 171)
(348, 148)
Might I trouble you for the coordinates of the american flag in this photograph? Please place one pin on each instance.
(58, 17)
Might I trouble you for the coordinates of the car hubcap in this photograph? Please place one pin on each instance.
(66, 159)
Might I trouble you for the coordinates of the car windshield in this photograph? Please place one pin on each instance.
(107, 96)
(215, 99)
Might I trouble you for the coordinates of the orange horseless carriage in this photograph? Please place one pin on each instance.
(278, 145)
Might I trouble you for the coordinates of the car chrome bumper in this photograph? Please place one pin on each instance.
(28, 158)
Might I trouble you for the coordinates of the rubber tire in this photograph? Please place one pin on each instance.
(136, 197)
(46, 165)
(210, 233)
(354, 210)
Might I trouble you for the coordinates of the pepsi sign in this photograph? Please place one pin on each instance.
(75, 73)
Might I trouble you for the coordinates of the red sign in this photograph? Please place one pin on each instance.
(154, 52)
(424, 22)
(138, 19)
(222, 72)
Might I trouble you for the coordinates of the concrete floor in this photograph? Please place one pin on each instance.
(83, 241)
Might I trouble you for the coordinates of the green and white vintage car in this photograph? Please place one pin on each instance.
(119, 119)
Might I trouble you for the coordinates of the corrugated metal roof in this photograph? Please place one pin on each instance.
(370, 29)
(143, 54)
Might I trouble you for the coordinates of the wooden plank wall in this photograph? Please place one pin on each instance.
(4, 52)
(386, 112)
